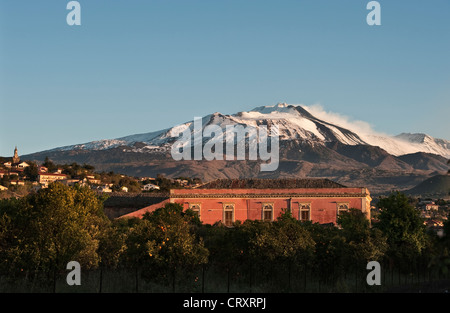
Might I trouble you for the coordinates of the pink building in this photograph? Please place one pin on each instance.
(227, 201)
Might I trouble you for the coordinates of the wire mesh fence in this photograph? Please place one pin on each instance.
(276, 278)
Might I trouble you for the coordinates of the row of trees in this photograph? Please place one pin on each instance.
(41, 233)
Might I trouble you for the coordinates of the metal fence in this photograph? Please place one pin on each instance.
(239, 279)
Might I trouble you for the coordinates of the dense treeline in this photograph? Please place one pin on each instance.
(41, 233)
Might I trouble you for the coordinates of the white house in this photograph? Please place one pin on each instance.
(104, 189)
(47, 178)
(72, 182)
(431, 206)
(92, 180)
(17, 182)
(182, 182)
(150, 187)
(23, 165)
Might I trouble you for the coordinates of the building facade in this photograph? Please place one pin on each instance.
(228, 201)
(47, 178)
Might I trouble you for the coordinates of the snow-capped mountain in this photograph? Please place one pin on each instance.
(296, 123)
(313, 143)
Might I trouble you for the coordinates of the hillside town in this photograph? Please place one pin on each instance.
(19, 177)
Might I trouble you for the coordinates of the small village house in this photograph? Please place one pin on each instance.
(47, 178)
(149, 187)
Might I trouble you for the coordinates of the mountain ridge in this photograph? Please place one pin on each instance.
(292, 119)
(310, 146)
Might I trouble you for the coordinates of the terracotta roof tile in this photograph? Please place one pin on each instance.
(270, 183)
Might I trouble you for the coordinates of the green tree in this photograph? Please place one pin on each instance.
(31, 171)
(354, 224)
(130, 183)
(165, 242)
(50, 165)
(364, 243)
(88, 167)
(14, 254)
(440, 254)
(446, 229)
(284, 239)
(401, 223)
(5, 181)
(330, 251)
(112, 242)
(285, 242)
(46, 230)
(230, 249)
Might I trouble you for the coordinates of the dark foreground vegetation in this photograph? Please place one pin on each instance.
(170, 250)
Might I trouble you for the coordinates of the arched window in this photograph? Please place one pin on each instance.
(342, 207)
(228, 214)
(304, 212)
(267, 212)
(195, 207)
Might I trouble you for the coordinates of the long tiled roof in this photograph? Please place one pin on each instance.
(270, 183)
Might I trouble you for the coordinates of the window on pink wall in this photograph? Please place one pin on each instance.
(305, 212)
(228, 214)
(267, 212)
(196, 208)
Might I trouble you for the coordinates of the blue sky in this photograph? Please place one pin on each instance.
(138, 66)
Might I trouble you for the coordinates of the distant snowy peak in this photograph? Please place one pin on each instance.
(296, 122)
(419, 138)
(426, 143)
(93, 145)
(416, 138)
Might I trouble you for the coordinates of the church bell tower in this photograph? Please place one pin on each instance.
(16, 158)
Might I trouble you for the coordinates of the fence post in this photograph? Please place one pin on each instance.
(304, 278)
(228, 279)
(101, 281)
(54, 281)
(136, 280)
(289, 276)
(319, 282)
(173, 279)
(251, 276)
(203, 278)
(392, 275)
